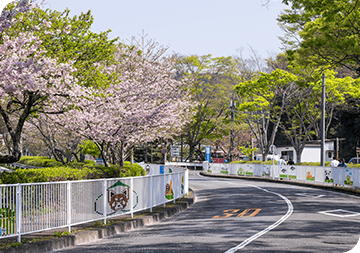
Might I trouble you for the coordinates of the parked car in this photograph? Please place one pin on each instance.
(354, 160)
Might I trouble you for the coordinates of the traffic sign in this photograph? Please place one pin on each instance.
(174, 150)
(272, 149)
(164, 151)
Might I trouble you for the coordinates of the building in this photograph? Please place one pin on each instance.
(311, 152)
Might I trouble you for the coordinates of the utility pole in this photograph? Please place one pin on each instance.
(146, 155)
(182, 143)
(323, 101)
(232, 107)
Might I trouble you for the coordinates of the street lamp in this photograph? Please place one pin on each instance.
(323, 101)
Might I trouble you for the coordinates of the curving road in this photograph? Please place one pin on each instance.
(239, 215)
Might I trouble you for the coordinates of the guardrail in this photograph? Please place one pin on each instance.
(185, 164)
(308, 174)
(30, 208)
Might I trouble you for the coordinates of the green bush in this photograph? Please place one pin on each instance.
(275, 162)
(135, 170)
(71, 171)
(39, 161)
(252, 162)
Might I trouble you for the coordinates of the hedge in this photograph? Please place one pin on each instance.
(72, 171)
(275, 162)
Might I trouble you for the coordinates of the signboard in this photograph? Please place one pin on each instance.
(162, 169)
(99, 161)
(174, 150)
(272, 149)
(164, 151)
(208, 154)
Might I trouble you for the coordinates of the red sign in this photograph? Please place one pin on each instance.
(164, 151)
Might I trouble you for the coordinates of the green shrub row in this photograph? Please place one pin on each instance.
(40, 161)
(275, 162)
(71, 171)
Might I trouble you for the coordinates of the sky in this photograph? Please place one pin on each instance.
(220, 28)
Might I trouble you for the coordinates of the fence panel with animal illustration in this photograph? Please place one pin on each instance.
(30, 208)
(308, 174)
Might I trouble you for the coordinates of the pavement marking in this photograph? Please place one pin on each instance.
(332, 213)
(281, 220)
(227, 213)
(231, 212)
(310, 196)
(255, 212)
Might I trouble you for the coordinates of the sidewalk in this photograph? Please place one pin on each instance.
(46, 241)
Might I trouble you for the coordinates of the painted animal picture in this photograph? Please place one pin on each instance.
(168, 188)
(147, 170)
(327, 175)
(309, 176)
(118, 201)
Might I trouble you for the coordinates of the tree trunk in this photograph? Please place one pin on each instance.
(82, 157)
(191, 152)
(298, 156)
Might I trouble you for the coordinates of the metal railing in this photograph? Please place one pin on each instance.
(30, 208)
(349, 177)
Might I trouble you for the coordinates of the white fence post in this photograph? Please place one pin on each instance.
(18, 211)
(186, 182)
(104, 199)
(68, 199)
(287, 171)
(151, 191)
(131, 195)
(174, 198)
(165, 187)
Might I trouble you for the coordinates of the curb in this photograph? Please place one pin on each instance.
(68, 241)
(329, 188)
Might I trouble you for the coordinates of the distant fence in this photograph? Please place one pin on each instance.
(308, 174)
(185, 164)
(30, 208)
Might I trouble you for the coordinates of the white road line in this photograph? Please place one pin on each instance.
(310, 196)
(254, 237)
(339, 215)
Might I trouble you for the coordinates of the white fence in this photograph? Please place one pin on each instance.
(157, 169)
(30, 208)
(308, 174)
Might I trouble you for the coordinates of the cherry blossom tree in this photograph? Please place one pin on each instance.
(146, 103)
(31, 83)
(7, 17)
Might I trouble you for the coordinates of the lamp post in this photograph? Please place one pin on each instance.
(232, 107)
(323, 101)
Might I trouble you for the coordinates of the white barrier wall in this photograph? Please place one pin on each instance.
(308, 174)
(157, 169)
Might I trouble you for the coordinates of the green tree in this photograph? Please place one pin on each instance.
(323, 32)
(89, 147)
(211, 93)
(263, 102)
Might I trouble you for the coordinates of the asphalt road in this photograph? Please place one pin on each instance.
(247, 216)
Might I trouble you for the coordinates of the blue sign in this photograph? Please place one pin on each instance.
(208, 154)
(162, 169)
(99, 161)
